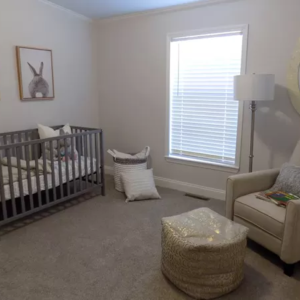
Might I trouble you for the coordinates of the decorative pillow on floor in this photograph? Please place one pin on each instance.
(288, 180)
(139, 185)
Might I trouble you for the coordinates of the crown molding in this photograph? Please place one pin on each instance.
(175, 8)
(66, 10)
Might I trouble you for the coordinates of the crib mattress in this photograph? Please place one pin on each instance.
(49, 177)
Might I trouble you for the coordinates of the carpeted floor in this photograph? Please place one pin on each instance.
(106, 249)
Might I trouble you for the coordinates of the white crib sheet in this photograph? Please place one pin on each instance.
(49, 177)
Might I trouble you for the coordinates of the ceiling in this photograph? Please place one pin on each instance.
(97, 9)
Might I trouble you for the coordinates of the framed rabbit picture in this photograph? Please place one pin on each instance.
(35, 71)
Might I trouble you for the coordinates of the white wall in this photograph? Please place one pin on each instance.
(133, 82)
(131, 77)
(34, 23)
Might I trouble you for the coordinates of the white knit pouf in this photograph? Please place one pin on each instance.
(203, 253)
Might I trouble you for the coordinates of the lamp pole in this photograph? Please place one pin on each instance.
(251, 156)
(253, 88)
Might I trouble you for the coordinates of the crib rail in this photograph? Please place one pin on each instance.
(37, 174)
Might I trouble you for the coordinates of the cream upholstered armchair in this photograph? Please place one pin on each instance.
(275, 228)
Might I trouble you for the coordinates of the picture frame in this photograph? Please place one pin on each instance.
(35, 73)
(293, 79)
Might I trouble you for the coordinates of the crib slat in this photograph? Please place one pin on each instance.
(11, 183)
(26, 139)
(45, 172)
(29, 135)
(82, 142)
(31, 138)
(77, 139)
(67, 167)
(37, 176)
(2, 152)
(97, 158)
(12, 141)
(20, 179)
(2, 193)
(5, 139)
(79, 162)
(20, 141)
(33, 152)
(73, 164)
(91, 158)
(4, 143)
(27, 158)
(60, 171)
(85, 161)
(102, 163)
(53, 171)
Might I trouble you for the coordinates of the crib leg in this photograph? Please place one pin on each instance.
(103, 192)
(289, 269)
(102, 164)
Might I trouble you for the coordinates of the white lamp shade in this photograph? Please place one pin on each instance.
(255, 87)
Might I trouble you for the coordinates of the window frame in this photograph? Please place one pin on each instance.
(198, 162)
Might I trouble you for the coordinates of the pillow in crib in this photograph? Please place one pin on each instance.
(46, 132)
(139, 185)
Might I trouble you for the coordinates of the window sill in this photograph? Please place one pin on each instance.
(202, 164)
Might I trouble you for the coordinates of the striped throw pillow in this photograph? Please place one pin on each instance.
(139, 185)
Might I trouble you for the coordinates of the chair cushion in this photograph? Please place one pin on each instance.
(265, 215)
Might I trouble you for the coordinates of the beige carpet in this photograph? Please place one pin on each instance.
(106, 249)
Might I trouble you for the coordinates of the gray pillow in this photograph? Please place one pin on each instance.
(288, 180)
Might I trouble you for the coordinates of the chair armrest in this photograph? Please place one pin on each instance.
(290, 251)
(244, 184)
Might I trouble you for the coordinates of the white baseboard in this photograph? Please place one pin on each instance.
(183, 186)
(190, 188)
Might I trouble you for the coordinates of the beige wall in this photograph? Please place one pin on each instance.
(133, 84)
(34, 23)
(131, 76)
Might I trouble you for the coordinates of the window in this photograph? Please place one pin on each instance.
(204, 118)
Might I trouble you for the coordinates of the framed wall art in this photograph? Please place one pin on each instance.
(293, 79)
(35, 71)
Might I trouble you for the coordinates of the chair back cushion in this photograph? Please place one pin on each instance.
(288, 180)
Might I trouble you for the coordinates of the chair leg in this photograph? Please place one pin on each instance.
(289, 269)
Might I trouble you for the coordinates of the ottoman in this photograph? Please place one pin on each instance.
(203, 253)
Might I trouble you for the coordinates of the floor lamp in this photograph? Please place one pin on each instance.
(255, 87)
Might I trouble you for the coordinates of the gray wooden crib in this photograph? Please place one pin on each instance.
(31, 182)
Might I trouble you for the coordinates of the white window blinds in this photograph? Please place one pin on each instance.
(203, 115)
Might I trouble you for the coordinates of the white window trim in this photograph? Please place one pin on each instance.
(195, 162)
